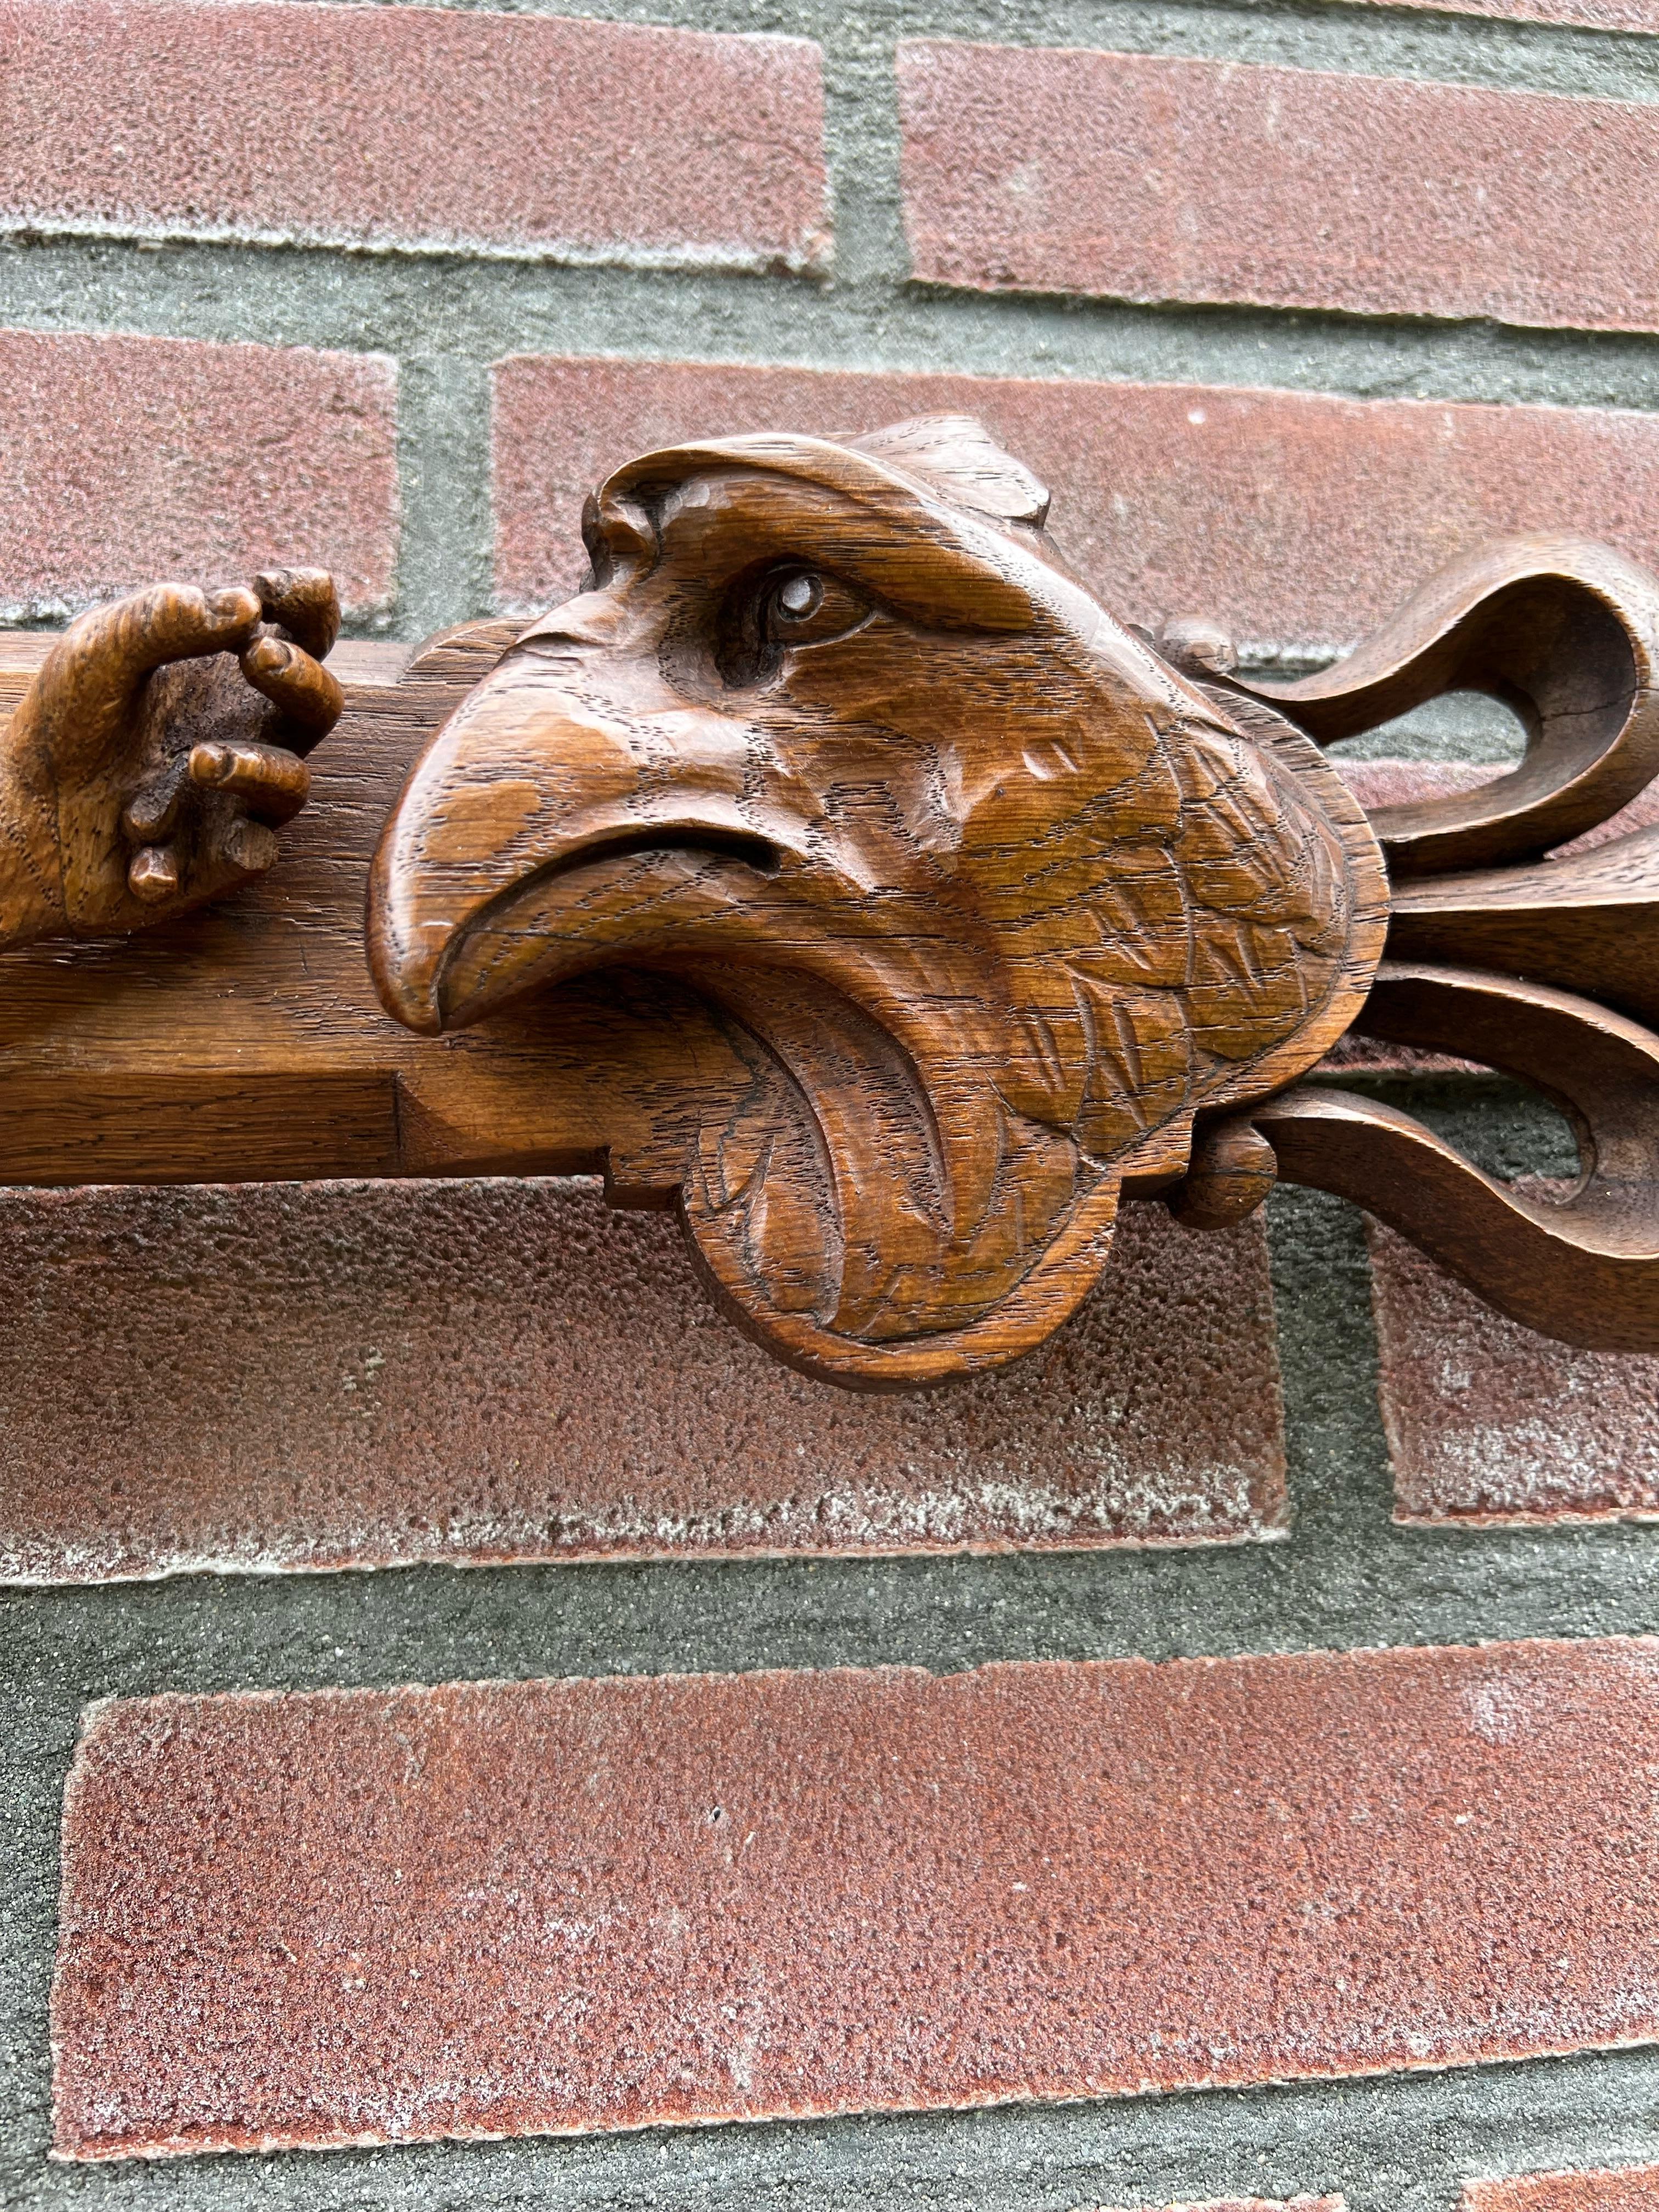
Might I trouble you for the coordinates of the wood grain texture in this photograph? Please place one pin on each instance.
(243, 1043)
(1540, 962)
(1584, 1269)
(1565, 631)
(836, 869)
(992, 900)
(157, 747)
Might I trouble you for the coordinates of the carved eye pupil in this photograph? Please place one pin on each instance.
(799, 598)
(784, 610)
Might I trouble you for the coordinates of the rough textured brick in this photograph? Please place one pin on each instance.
(124, 459)
(1298, 520)
(1638, 18)
(1632, 2188)
(515, 1907)
(477, 1372)
(1145, 178)
(412, 127)
(1401, 782)
(1489, 1421)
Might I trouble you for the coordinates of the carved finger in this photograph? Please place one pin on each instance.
(151, 813)
(248, 847)
(274, 782)
(300, 687)
(88, 682)
(303, 603)
(152, 875)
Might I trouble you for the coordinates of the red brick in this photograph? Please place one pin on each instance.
(420, 128)
(1401, 782)
(1634, 2189)
(124, 459)
(588, 1400)
(1297, 519)
(1489, 1422)
(1638, 18)
(528, 1907)
(1145, 177)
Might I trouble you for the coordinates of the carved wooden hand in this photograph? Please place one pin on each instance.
(156, 750)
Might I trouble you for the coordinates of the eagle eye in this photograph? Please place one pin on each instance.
(803, 606)
(768, 614)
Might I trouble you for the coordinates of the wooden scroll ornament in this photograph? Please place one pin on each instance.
(1005, 912)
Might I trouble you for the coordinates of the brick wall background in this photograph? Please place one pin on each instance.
(387, 288)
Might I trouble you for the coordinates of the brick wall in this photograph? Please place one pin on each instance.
(1208, 1767)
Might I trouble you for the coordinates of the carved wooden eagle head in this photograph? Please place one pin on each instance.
(994, 899)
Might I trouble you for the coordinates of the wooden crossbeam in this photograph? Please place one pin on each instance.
(243, 1043)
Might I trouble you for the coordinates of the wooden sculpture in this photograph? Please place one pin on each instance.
(994, 899)
(152, 758)
(834, 868)
(1005, 912)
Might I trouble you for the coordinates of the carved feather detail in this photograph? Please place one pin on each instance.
(1004, 898)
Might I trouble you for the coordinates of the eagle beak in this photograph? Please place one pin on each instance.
(545, 828)
(454, 843)
(406, 947)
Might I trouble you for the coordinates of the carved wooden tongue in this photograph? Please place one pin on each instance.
(829, 1191)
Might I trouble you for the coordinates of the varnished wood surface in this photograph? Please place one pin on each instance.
(994, 899)
(1586, 1268)
(837, 870)
(1588, 922)
(1543, 964)
(245, 1042)
(1565, 632)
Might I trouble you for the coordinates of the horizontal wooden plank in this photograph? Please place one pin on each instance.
(245, 1042)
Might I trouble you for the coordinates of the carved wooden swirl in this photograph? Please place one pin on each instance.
(1495, 962)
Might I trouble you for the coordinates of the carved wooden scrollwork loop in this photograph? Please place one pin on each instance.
(1503, 948)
